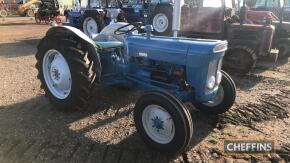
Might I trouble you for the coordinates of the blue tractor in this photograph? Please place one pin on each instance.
(134, 10)
(159, 14)
(170, 70)
(94, 15)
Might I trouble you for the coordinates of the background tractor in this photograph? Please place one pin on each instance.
(218, 20)
(94, 15)
(23, 8)
(28, 8)
(171, 70)
(134, 10)
(159, 13)
(277, 12)
(48, 12)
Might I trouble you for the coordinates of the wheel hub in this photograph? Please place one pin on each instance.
(158, 124)
(218, 99)
(57, 74)
(160, 22)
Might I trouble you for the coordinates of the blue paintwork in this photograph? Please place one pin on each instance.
(75, 19)
(191, 54)
(141, 56)
(133, 11)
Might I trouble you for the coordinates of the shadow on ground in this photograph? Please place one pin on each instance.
(3, 23)
(34, 131)
(19, 48)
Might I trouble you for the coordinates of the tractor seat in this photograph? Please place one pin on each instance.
(107, 41)
(110, 44)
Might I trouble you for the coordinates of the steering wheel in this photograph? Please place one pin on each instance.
(121, 30)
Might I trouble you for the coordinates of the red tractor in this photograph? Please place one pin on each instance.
(217, 19)
(278, 12)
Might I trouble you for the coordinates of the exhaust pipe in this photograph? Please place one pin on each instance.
(176, 16)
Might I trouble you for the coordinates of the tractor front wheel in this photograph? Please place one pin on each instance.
(65, 72)
(163, 122)
(239, 60)
(224, 98)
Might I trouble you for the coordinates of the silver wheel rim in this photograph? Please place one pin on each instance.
(218, 99)
(57, 74)
(160, 22)
(90, 26)
(158, 124)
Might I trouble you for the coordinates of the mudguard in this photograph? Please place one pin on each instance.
(68, 30)
(90, 44)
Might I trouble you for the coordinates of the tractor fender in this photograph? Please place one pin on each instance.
(68, 30)
(90, 44)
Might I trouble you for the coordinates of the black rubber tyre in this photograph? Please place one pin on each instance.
(284, 50)
(37, 18)
(97, 17)
(239, 60)
(166, 11)
(81, 68)
(227, 102)
(181, 118)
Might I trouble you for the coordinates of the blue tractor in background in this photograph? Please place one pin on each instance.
(134, 10)
(172, 71)
(159, 14)
(94, 15)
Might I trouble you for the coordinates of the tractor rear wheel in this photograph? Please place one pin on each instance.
(224, 99)
(162, 21)
(284, 50)
(163, 122)
(65, 72)
(239, 60)
(92, 23)
(3, 13)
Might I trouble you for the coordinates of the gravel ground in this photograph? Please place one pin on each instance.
(32, 131)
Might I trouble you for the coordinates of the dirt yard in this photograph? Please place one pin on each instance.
(32, 131)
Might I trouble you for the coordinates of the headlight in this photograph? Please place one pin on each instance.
(220, 48)
(210, 82)
(219, 76)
